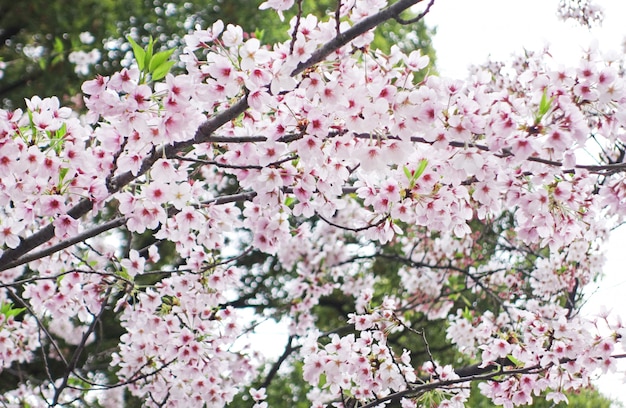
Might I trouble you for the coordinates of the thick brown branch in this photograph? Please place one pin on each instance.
(358, 29)
(42, 236)
(97, 230)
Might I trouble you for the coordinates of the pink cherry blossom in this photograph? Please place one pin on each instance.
(309, 172)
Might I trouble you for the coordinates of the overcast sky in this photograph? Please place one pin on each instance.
(470, 31)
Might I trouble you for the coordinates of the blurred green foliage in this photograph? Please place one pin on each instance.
(37, 36)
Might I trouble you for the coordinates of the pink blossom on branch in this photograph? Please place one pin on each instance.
(322, 162)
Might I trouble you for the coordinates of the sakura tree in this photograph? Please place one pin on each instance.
(309, 173)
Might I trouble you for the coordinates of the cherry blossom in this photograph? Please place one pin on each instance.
(277, 178)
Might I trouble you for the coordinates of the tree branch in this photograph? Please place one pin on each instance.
(276, 366)
(472, 373)
(97, 230)
(206, 129)
(353, 229)
(603, 169)
(79, 350)
(416, 18)
(358, 29)
(40, 324)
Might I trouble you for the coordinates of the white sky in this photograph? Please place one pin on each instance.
(468, 32)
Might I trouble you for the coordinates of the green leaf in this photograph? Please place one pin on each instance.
(62, 173)
(8, 310)
(420, 169)
(62, 131)
(58, 45)
(148, 55)
(56, 138)
(158, 59)
(544, 106)
(140, 54)
(58, 58)
(289, 201)
(123, 273)
(162, 70)
(259, 34)
(407, 173)
(515, 361)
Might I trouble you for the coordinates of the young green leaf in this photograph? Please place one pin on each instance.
(420, 169)
(258, 34)
(544, 106)
(289, 201)
(162, 70)
(515, 361)
(56, 59)
(58, 45)
(158, 59)
(8, 311)
(148, 56)
(140, 54)
(62, 173)
(125, 275)
(407, 173)
(56, 138)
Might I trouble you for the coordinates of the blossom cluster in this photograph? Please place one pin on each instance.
(179, 338)
(362, 368)
(18, 340)
(83, 60)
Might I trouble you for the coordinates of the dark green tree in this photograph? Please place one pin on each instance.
(37, 37)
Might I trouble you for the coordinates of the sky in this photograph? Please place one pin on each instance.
(470, 32)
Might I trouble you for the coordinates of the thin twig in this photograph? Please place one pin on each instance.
(353, 229)
(417, 18)
(337, 18)
(79, 350)
(42, 327)
(294, 34)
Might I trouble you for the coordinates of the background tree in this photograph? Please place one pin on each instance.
(49, 49)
